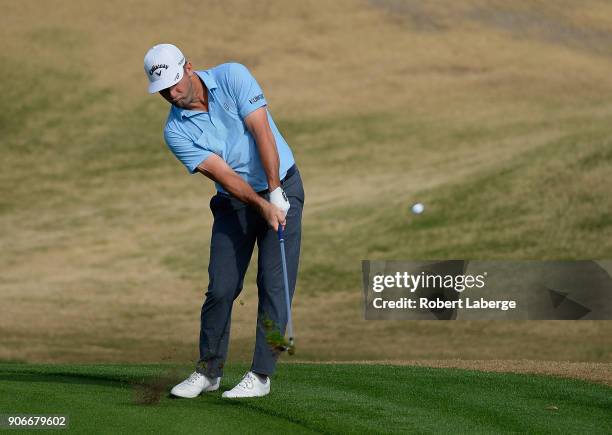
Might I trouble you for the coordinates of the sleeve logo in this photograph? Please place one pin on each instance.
(256, 98)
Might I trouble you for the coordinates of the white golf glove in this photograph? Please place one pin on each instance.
(279, 199)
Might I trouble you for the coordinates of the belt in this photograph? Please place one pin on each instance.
(290, 172)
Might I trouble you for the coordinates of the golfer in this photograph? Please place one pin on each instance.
(219, 126)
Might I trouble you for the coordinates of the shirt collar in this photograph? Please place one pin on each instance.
(209, 82)
(207, 78)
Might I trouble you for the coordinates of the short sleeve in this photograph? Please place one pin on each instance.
(185, 150)
(246, 90)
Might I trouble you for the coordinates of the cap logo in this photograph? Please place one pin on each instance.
(154, 68)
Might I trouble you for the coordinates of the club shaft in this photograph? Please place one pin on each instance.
(286, 282)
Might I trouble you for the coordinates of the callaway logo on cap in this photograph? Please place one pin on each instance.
(154, 69)
(163, 65)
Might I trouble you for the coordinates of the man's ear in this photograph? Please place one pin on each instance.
(189, 69)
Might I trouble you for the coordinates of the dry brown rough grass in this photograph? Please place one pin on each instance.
(89, 268)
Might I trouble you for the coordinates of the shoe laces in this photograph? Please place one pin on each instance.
(194, 377)
(247, 381)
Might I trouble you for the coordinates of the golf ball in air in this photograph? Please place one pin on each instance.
(418, 208)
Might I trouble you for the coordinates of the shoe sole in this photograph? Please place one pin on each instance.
(243, 397)
(193, 397)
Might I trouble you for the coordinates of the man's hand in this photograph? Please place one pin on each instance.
(273, 215)
(279, 199)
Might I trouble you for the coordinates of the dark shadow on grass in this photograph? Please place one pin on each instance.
(64, 379)
(148, 390)
(12, 361)
(79, 378)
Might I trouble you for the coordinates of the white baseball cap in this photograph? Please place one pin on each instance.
(163, 65)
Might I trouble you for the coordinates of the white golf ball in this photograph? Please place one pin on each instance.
(418, 208)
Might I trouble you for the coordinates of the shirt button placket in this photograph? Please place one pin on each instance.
(211, 100)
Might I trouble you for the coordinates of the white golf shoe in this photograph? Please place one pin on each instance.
(195, 384)
(249, 386)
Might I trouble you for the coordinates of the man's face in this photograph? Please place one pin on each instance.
(182, 93)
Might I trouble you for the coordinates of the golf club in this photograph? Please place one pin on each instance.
(281, 239)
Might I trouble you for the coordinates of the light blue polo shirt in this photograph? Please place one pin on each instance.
(194, 135)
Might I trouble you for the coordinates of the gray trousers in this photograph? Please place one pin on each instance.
(236, 229)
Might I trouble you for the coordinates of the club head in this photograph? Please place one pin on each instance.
(290, 347)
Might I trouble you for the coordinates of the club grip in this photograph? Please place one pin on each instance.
(280, 233)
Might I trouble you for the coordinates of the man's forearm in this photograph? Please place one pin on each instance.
(258, 125)
(217, 170)
(235, 185)
(270, 161)
(240, 189)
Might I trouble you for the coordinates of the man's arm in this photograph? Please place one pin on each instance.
(215, 168)
(251, 105)
(258, 125)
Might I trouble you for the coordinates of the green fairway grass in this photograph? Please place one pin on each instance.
(311, 398)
